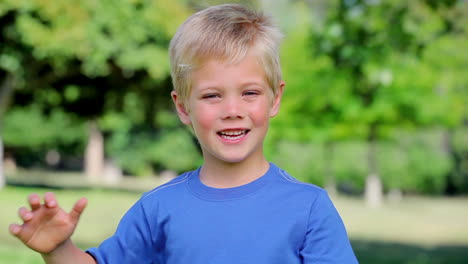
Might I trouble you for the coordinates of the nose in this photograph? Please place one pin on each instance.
(233, 108)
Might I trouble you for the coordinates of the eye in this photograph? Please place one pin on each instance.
(251, 93)
(210, 96)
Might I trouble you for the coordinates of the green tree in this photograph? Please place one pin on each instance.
(448, 63)
(364, 74)
(98, 66)
(11, 57)
(379, 46)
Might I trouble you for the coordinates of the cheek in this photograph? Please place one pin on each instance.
(203, 118)
(261, 115)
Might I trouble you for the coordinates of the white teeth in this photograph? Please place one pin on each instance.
(232, 135)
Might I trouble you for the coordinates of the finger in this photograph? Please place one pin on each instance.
(15, 229)
(78, 209)
(49, 200)
(34, 201)
(25, 214)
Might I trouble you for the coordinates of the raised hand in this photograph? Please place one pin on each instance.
(46, 226)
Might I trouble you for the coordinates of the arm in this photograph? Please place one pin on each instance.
(47, 229)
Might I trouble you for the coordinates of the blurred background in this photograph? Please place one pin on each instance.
(374, 111)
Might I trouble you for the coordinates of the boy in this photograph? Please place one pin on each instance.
(237, 207)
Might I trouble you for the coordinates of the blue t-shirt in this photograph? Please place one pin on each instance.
(272, 220)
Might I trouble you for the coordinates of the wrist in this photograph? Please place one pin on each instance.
(68, 253)
(65, 248)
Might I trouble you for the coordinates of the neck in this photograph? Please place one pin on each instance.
(228, 175)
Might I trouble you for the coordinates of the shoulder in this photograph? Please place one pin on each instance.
(289, 182)
(316, 199)
(171, 188)
(310, 195)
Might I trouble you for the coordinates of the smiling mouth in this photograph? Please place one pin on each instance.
(233, 134)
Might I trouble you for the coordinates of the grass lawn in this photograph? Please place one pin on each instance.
(414, 231)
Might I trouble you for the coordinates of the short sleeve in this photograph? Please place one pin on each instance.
(135, 240)
(326, 240)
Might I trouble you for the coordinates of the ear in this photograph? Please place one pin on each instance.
(277, 100)
(181, 110)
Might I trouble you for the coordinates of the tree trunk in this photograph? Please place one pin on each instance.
(94, 154)
(112, 173)
(446, 142)
(374, 190)
(6, 92)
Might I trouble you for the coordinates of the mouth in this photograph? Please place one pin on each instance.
(233, 134)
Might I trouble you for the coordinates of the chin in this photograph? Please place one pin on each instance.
(232, 159)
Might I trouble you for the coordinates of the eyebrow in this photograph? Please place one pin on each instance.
(209, 88)
(253, 83)
(214, 87)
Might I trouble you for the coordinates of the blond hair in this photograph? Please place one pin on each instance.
(226, 32)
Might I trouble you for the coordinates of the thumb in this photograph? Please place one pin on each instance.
(78, 209)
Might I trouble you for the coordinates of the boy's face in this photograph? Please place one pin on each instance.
(229, 108)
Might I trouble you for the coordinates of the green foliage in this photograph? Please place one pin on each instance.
(356, 68)
(142, 153)
(132, 33)
(29, 127)
(105, 60)
(316, 95)
(366, 70)
(312, 162)
(307, 164)
(416, 162)
(176, 151)
(349, 163)
(412, 162)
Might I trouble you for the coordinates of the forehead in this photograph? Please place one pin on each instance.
(221, 73)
